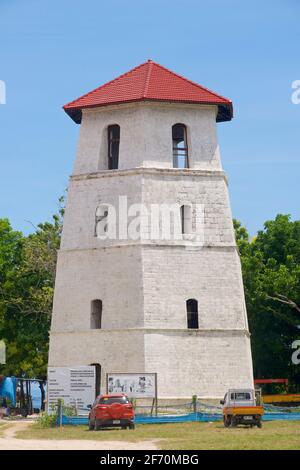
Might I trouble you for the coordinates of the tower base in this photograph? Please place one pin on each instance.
(204, 363)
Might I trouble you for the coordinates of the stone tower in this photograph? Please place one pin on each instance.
(151, 303)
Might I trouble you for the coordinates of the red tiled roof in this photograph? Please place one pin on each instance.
(149, 82)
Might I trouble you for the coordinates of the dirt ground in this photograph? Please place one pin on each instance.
(8, 441)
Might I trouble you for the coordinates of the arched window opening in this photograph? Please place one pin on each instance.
(113, 134)
(96, 314)
(186, 219)
(192, 313)
(101, 221)
(180, 148)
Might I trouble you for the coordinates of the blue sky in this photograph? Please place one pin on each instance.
(53, 51)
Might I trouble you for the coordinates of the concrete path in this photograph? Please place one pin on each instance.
(8, 441)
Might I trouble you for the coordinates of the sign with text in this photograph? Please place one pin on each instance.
(134, 385)
(74, 385)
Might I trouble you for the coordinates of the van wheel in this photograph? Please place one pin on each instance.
(233, 423)
(259, 424)
(227, 421)
(131, 426)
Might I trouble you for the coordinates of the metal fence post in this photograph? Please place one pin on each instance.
(60, 412)
(194, 402)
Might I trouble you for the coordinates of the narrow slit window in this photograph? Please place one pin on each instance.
(186, 219)
(96, 314)
(192, 314)
(113, 133)
(180, 148)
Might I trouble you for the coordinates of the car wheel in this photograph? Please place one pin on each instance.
(91, 425)
(97, 426)
(259, 424)
(131, 426)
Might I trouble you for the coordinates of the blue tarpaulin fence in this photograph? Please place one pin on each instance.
(281, 416)
(190, 417)
(8, 389)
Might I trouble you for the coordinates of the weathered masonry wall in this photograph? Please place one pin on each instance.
(146, 136)
(144, 283)
(205, 363)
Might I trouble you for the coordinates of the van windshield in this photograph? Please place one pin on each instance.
(240, 396)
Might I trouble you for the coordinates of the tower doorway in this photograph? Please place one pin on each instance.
(97, 378)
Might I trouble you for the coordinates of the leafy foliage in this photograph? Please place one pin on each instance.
(271, 272)
(46, 420)
(27, 274)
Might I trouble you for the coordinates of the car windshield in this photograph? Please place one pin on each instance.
(111, 400)
(240, 396)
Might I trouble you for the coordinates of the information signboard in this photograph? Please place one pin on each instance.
(135, 385)
(74, 385)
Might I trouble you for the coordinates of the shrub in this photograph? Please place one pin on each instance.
(46, 420)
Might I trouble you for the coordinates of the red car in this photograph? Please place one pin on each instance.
(111, 410)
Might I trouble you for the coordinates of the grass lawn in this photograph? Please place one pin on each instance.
(193, 436)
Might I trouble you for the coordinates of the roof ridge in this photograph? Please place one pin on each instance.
(106, 84)
(147, 81)
(191, 81)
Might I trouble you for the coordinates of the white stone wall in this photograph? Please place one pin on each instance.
(144, 284)
(205, 363)
(115, 350)
(148, 286)
(153, 282)
(146, 136)
(147, 187)
(207, 190)
(210, 275)
(84, 196)
(111, 275)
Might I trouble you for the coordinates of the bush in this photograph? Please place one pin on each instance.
(69, 410)
(46, 420)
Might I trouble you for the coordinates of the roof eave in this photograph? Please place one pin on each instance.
(225, 110)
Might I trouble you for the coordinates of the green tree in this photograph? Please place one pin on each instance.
(10, 249)
(271, 273)
(26, 289)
